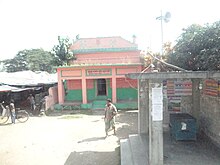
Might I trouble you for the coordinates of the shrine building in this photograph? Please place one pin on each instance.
(99, 72)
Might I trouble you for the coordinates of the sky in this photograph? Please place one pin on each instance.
(27, 24)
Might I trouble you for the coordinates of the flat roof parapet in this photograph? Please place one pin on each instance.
(175, 75)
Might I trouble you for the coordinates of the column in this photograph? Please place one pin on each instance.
(84, 90)
(195, 99)
(155, 123)
(60, 88)
(143, 106)
(114, 87)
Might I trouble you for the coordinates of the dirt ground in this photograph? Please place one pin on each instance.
(67, 138)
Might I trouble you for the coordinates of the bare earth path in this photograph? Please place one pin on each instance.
(65, 139)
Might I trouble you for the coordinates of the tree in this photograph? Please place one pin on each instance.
(198, 48)
(61, 52)
(1, 66)
(39, 60)
(32, 59)
(167, 47)
(18, 63)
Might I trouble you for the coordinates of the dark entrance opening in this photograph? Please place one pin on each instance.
(101, 87)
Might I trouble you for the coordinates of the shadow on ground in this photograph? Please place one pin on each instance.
(74, 112)
(199, 152)
(106, 150)
(94, 157)
(92, 139)
(126, 123)
(6, 124)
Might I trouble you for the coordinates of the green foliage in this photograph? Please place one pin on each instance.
(18, 63)
(39, 60)
(198, 48)
(33, 59)
(1, 66)
(61, 52)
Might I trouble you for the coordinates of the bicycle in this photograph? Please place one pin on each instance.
(39, 109)
(21, 115)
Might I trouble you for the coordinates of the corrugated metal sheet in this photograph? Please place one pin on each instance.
(27, 78)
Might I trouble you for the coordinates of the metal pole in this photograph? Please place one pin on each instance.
(161, 26)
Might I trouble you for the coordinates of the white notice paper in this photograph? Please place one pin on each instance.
(157, 104)
(157, 96)
(157, 112)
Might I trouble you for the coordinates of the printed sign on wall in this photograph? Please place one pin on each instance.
(98, 72)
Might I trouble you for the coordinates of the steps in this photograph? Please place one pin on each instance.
(134, 150)
(98, 104)
(101, 97)
(126, 155)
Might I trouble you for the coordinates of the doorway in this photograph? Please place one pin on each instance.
(101, 87)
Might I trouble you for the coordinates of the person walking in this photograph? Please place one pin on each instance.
(32, 102)
(3, 110)
(12, 111)
(110, 113)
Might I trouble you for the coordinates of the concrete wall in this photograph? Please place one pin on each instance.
(210, 117)
(52, 98)
(166, 113)
(80, 74)
(126, 89)
(186, 104)
(108, 57)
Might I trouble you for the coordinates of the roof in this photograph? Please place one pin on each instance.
(27, 78)
(6, 88)
(102, 44)
(88, 65)
(175, 75)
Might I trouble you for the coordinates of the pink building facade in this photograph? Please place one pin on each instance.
(99, 72)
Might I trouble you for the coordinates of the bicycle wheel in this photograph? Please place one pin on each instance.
(4, 119)
(22, 116)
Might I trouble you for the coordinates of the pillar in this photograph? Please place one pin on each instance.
(155, 123)
(84, 89)
(143, 106)
(60, 88)
(195, 99)
(114, 87)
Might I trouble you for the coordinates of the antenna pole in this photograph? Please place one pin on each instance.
(161, 26)
(166, 19)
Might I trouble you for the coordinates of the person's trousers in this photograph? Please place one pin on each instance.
(13, 116)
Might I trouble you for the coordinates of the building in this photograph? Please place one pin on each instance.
(99, 72)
